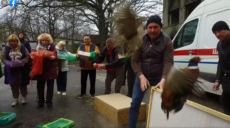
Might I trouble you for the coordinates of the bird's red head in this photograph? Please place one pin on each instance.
(197, 59)
(194, 60)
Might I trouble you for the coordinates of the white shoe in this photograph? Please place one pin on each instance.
(15, 103)
(58, 92)
(63, 93)
(23, 100)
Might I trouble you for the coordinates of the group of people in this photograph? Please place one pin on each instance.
(152, 62)
(18, 50)
(149, 66)
(115, 67)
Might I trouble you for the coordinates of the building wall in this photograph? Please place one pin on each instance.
(175, 13)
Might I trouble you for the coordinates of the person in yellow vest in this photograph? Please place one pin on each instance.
(87, 67)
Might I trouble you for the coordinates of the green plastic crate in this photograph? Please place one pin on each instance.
(61, 123)
(6, 118)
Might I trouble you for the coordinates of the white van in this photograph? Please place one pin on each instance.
(195, 38)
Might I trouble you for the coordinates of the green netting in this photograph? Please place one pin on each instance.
(62, 57)
(71, 58)
(68, 58)
(92, 56)
(61, 123)
(126, 59)
(39, 127)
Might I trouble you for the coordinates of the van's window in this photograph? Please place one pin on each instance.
(186, 34)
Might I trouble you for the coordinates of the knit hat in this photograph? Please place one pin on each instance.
(155, 19)
(220, 25)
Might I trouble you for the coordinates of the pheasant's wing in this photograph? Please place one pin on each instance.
(182, 82)
(125, 21)
(176, 79)
(198, 90)
(127, 30)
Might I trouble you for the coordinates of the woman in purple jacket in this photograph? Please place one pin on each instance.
(15, 53)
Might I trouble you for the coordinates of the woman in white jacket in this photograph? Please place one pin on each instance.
(63, 67)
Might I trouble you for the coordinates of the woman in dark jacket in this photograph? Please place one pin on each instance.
(28, 66)
(49, 72)
(22, 40)
(16, 53)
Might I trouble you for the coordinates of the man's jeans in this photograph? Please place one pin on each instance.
(137, 98)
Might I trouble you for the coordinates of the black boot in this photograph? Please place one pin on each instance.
(40, 106)
(50, 105)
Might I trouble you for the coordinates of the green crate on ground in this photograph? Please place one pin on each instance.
(60, 123)
(6, 118)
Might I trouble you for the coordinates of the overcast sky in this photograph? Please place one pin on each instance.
(3, 11)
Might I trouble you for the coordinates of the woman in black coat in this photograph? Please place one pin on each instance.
(22, 40)
(28, 66)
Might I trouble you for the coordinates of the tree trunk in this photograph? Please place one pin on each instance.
(103, 31)
(73, 27)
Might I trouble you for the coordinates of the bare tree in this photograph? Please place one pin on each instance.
(95, 12)
(34, 21)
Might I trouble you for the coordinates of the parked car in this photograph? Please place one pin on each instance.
(33, 44)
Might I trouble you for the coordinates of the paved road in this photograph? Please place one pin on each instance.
(81, 111)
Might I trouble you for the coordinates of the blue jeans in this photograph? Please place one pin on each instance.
(137, 98)
(62, 81)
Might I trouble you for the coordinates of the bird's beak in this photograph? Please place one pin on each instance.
(200, 59)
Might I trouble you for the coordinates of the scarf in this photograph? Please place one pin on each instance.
(62, 52)
(40, 46)
(110, 53)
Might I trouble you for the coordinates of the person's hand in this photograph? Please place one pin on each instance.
(97, 53)
(102, 66)
(161, 84)
(94, 65)
(52, 57)
(144, 83)
(216, 86)
(77, 57)
(131, 55)
(98, 68)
